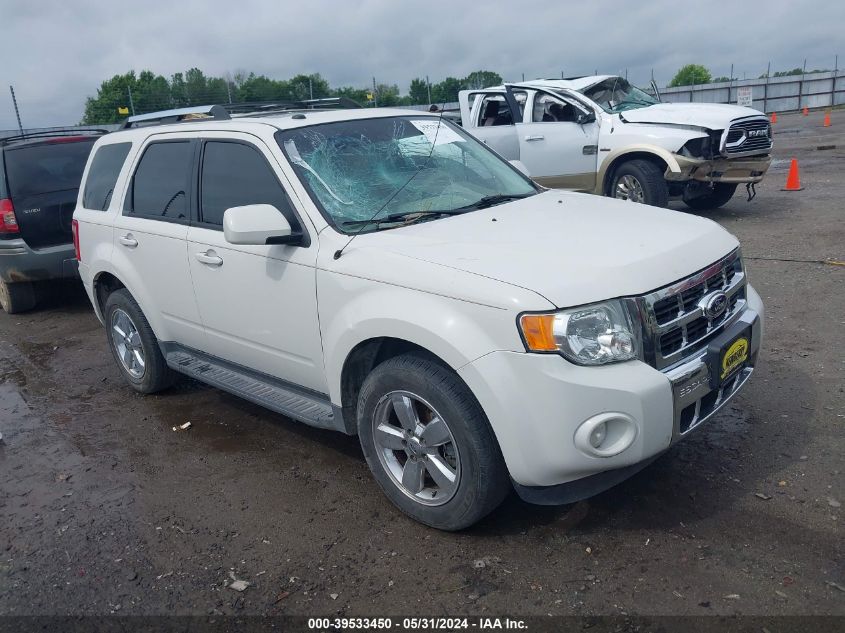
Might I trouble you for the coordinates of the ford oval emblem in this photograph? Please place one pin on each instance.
(715, 305)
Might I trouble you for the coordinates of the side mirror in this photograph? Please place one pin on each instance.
(583, 118)
(258, 224)
(521, 167)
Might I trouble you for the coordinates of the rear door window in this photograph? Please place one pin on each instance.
(47, 167)
(102, 176)
(236, 174)
(161, 184)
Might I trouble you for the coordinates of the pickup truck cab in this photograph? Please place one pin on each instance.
(602, 135)
(382, 273)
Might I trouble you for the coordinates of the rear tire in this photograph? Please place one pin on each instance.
(17, 297)
(134, 346)
(640, 181)
(448, 475)
(720, 195)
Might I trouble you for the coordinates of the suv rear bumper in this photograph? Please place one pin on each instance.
(538, 406)
(19, 262)
(727, 170)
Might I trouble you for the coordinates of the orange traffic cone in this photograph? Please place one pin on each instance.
(827, 119)
(805, 111)
(793, 182)
(774, 117)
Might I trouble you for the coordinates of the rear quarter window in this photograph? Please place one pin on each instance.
(47, 167)
(102, 176)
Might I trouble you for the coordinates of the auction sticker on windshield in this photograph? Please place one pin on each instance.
(436, 132)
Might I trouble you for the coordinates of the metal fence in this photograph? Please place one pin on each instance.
(773, 94)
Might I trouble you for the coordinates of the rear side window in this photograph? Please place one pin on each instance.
(102, 176)
(46, 168)
(236, 174)
(160, 184)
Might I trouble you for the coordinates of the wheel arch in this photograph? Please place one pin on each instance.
(363, 358)
(657, 155)
(105, 283)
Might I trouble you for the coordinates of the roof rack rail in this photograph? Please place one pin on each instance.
(260, 108)
(46, 134)
(193, 113)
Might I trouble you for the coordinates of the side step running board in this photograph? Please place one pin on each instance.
(299, 404)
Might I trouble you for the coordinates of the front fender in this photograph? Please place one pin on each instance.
(354, 310)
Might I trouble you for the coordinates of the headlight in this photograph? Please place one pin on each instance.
(591, 335)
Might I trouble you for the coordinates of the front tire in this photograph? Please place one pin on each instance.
(134, 345)
(640, 181)
(718, 196)
(429, 444)
(17, 297)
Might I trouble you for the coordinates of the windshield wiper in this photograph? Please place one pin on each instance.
(407, 217)
(489, 201)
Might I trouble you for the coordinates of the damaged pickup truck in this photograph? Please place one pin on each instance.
(602, 135)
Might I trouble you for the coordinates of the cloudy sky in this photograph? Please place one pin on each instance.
(56, 53)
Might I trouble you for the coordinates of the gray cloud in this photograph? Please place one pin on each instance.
(56, 53)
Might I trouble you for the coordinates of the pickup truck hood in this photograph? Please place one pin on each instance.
(570, 248)
(713, 116)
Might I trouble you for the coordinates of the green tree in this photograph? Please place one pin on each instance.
(447, 90)
(388, 95)
(149, 92)
(482, 79)
(691, 74)
(301, 87)
(419, 91)
(717, 80)
(359, 95)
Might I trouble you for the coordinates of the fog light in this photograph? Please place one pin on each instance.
(606, 434)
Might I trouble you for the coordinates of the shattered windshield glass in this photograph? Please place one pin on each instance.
(615, 94)
(397, 167)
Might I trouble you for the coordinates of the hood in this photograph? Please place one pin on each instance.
(570, 248)
(713, 116)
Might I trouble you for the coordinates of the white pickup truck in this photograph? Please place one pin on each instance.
(382, 273)
(602, 135)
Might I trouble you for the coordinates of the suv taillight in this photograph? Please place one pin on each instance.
(8, 221)
(74, 227)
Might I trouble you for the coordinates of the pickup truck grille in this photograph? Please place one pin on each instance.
(748, 138)
(680, 320)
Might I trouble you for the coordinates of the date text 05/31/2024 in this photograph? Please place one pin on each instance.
(448, 624)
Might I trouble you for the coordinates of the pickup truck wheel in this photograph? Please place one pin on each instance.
(640, 181)
(428, 443)
(17, 297)
(134, 346)
(719, 195)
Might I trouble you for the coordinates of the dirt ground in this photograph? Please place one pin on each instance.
(105, 509)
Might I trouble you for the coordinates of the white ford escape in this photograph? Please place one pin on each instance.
(382, 273)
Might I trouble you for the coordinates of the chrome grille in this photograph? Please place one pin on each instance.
(741, 138)
(677, 324)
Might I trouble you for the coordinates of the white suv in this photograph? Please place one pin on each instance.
(381, 273)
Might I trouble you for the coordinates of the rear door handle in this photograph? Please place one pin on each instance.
(534, 137)
(209, 258)
(128, 241)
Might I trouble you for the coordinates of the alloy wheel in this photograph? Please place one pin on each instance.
(629, 188)
(416, 448)
(127, 341)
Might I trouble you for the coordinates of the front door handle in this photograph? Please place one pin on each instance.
(209, 258)
(534, 137)
(128, 241)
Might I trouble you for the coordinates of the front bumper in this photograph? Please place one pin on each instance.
(536, 405)
(19, 262)
(727, 170)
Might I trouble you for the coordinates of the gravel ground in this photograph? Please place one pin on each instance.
(107, 510)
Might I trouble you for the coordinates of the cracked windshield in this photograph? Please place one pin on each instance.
(398, 169)
(615, 94)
